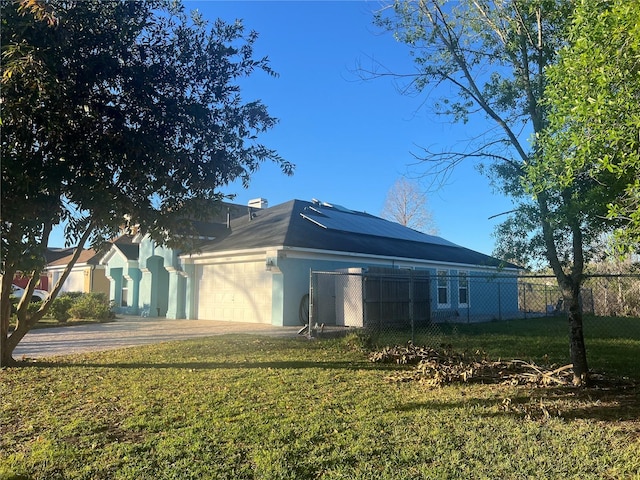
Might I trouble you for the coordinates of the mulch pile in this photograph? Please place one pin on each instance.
(444, 366)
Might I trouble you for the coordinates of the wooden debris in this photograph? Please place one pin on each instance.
(438, 367)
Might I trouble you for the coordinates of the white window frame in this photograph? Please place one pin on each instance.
(124, 293)
(443, 275)
(463, 277)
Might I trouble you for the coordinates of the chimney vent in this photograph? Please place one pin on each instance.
(258, 203)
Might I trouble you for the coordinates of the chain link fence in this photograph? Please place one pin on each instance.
(395, 306)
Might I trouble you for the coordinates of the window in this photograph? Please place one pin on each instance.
(124, 302)
(463, 289)
(443, 288)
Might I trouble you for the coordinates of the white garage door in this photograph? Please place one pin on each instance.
(73, 283)
(235, 292)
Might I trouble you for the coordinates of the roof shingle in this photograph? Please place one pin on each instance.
(320, 226)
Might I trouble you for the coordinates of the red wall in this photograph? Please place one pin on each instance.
(21, 281)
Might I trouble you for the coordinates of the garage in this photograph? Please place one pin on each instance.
(73, 283)
(234, 292)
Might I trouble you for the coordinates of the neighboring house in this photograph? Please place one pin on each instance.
(51, 255)
(87, 275)
(256, 267)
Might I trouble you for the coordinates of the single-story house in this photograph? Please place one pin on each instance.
(87, 275)
(50, 256)
(121, 269)
(254, 266)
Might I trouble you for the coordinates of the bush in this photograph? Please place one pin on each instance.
(358, 341)
(91, 305)
(72, 295)
(60, 307)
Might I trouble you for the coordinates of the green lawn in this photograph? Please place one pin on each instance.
(251, 407)
(613, 344)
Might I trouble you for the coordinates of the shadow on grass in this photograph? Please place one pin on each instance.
(608, 401)
(270, 365)
(568, 403)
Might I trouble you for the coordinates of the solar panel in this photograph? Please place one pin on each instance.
(345, 220)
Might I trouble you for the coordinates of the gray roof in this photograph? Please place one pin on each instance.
(129, 249)
(216, 224)
(53, 254)
(322, 226)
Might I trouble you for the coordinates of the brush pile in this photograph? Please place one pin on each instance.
(444, 366)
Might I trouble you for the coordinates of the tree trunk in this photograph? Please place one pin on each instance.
(26, 320)
(570, 285)
(6, 358)
(578, 352)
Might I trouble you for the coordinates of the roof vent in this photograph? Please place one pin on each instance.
(258, 203)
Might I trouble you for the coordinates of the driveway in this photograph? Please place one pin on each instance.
(128, 332)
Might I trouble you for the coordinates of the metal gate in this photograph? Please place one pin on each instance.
(372, 298)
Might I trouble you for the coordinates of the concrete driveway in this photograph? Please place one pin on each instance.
(128, 332)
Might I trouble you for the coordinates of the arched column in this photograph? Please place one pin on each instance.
(133, 277)
(177, 293)
(155, 279)
(114, 275)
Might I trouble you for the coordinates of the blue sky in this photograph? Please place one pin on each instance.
(349, 139)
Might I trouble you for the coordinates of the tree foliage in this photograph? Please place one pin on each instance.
(114, 112)
(489, 58)
(406, 204)
(593, 98)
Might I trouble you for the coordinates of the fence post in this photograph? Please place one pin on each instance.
(546, 300)
(499, 301)
(468, 297)
(380, 294)
(411, 310)
(309, 330)
(363, 283)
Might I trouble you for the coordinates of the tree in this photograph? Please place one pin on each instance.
(492, 56)
(594, 111)
(116, 112)
(407, 205)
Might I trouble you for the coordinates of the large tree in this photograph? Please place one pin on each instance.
(489, 58)
(593, 98)
(114, 112)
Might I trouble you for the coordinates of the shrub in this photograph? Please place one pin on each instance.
(73, 295)
(91, 305)
(60, 307)
(358, 341)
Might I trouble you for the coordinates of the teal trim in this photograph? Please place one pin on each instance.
(115, 287)
(176, 296)
(159, 287)
(190, 291)
(277, 299)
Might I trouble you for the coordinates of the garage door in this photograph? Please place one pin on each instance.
(73, 283)
(235, 292)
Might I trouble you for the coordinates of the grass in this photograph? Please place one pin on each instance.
(613, 344)
(250, 407)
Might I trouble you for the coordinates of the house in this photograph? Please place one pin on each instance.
(255, 267)
(87, 275)
(50, 255)
(149, 279)
(121, 269)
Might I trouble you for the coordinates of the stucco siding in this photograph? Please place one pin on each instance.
(100, 282)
